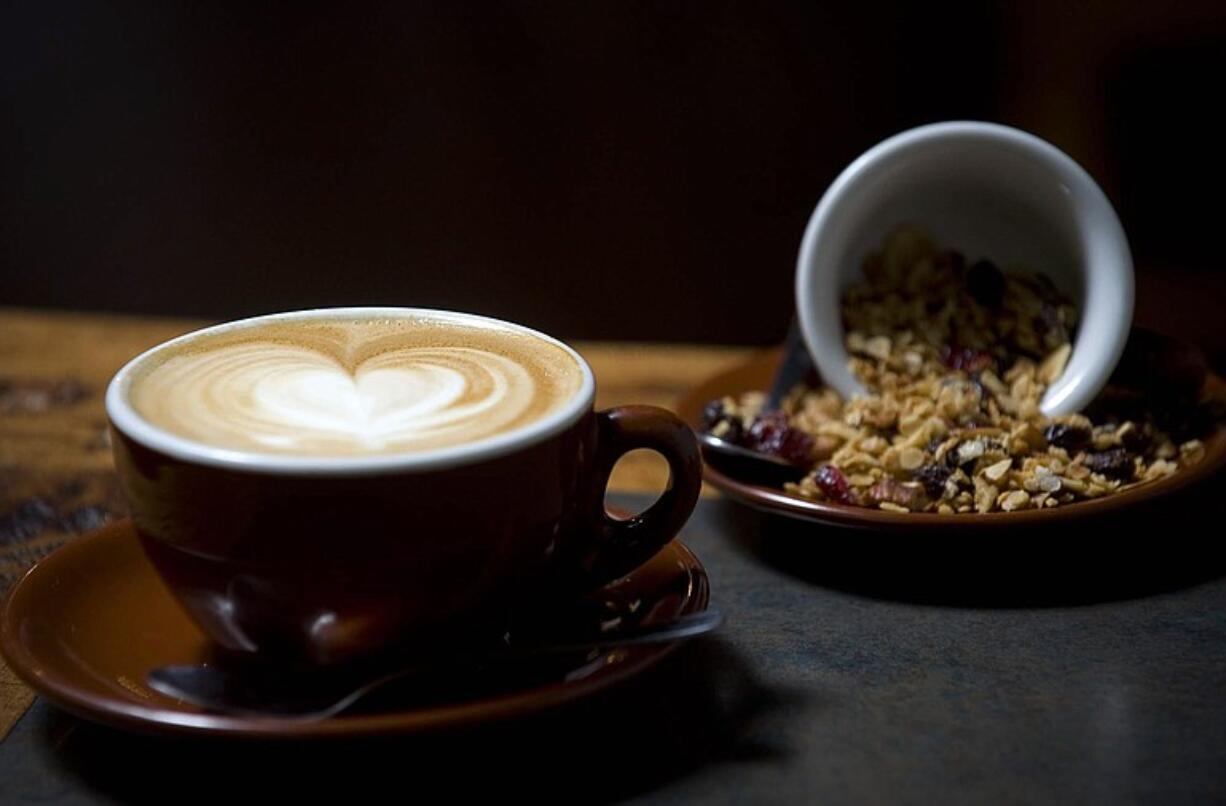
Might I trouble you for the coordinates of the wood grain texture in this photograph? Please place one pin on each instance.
(56, 479)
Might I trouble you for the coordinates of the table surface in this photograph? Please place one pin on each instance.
(1084, 665)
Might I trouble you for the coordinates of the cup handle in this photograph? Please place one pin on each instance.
(623, 545)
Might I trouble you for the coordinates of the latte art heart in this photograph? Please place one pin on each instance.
(374, 405)
(346, 392)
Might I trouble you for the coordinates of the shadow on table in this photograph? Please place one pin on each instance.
(693, 710)
(1153, 548)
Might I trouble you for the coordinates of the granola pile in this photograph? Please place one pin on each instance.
(956, 359)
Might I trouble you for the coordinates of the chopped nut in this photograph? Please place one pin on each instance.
(1053, 366)
(1047, 481)
(878, 347)
(1160, 468)
(1074, 485)
(910, 458)
(996, 472)
(1192, 451)
(1015, 500)
(985, 496)
(874, 445)
(993, 384)
(970, 450)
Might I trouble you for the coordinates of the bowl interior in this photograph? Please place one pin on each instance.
(979, 196)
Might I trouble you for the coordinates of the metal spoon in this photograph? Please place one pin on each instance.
(281, 693)
(741, 461)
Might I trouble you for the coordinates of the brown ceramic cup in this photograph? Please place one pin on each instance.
(327, 560)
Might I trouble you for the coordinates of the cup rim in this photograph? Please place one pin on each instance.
(125, 419)
(1082, 379)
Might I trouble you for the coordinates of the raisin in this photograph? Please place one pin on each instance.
(1049, 321)
(833, 484)
(1070, 437)
(986, 284)
(933, 477)
(1115, 463)
(713, 414)
(1140, 438)
(967, 359)
(771, 434)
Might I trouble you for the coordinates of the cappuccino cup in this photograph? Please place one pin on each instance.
(321, 485)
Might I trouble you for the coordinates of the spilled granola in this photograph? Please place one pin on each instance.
(956, 359)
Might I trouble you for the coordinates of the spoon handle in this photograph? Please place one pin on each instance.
(266, 692)
(795, 365)
(685, 626)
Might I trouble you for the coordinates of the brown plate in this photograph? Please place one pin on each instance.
(757, 373)
(85, 625)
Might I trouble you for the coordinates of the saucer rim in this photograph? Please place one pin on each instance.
(95, 707)
(758, 369)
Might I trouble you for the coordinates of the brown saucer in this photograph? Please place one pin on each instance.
(757, 373)
(85, 625)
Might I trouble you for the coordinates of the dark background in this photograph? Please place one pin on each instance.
(628, 170)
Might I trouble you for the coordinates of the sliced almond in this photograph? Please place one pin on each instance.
(878, 347)
(1053, 366)
(1011, 502)
(996, 472)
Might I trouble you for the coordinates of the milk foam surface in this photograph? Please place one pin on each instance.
(346, 387)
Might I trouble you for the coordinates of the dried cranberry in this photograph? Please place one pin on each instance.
(986, 284)
(833, 484)
(1069, 437)
(967, 359)
(933, 477)
(770, 433)
(1115, 463)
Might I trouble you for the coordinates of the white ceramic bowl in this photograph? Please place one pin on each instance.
(988, 191)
